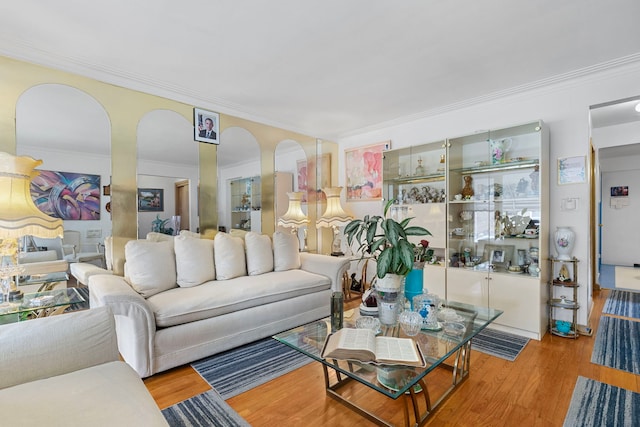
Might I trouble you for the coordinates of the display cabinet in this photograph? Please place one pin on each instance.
(563, 297)
(484, 197)
(498, 223)
(245, 196)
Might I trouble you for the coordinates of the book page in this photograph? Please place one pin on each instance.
(396, 349)
(357, 339)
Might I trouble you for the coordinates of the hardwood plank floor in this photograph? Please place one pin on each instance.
(535, 390)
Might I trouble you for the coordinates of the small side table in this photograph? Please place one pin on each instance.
(39, 304)
(346, 279)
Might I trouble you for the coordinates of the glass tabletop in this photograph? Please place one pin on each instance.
(436, 347)
(32, 302)
(39, 279)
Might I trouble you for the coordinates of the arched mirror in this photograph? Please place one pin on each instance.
(291, 175)
(167, 174)
(239, 181)
(70, 132)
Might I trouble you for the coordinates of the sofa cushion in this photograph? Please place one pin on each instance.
(153, 236)
(110, 394)
(150, 267)
(286, 251)
(259, 253)
(229, 257)
(182, 305)
(194, 260)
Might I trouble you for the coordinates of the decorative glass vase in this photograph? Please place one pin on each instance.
(413, 284)
(390, 304)
(564, 240)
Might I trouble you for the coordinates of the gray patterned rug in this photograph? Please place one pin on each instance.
(204, 410)
(617, 344)
(243, 368)
(595, 404)
(623, 303)
(500, 344)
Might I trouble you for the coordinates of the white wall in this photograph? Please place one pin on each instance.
(563, 106)
(620, 230)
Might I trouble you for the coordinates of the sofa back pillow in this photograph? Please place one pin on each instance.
(229, 256)
(259, 253)
(151, 266)
(194, 260)
(286, 251)
(154, 236)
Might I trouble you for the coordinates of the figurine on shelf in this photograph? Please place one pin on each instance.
(467, 190)
(564, 276)
(420, 170)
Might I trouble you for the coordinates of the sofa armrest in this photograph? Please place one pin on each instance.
(51, 346)
(330, 266)
(135, 322)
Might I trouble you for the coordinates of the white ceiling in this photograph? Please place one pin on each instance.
(324, 68)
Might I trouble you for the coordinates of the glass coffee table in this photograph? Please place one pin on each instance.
(39, 304)
(442, 351)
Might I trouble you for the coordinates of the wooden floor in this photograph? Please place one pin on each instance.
(535, 390)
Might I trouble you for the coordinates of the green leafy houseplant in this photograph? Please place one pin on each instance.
(386, 240)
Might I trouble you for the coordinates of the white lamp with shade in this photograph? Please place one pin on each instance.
(295, 217)
(334, 217)
(19, 217)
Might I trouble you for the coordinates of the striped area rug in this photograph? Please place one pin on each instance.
(617, 344)
(243, 368)
(623, 303)
(595, 404)
(500, 344)
(204, 410)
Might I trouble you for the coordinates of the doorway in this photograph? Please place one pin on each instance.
(182, 203)
(615, 136)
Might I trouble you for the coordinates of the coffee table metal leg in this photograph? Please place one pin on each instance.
(459, 370)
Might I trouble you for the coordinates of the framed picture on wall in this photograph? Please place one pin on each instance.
(67, 195)
(572, 170)
(364, 172)
(314, 171)
(206, 126)
(150, 200)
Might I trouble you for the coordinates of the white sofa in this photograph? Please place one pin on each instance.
(65, 371)
(188, 298)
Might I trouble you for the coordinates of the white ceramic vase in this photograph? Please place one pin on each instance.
(564, 240)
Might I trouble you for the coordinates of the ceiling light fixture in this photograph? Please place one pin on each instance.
(638, 107)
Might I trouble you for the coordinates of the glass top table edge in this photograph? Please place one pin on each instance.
(65, 296)
(309, 339)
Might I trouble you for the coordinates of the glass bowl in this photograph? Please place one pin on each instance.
(368, 322)
(454, 329)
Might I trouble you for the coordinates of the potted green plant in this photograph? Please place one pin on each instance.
(387, 241)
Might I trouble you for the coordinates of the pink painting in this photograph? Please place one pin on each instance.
(364, 172)
(65, 195)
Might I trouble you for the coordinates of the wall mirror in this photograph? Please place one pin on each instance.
(239, 181)
(167, 173)
(70, 131)
(291, 175)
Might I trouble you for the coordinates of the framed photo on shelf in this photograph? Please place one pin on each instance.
(571, 170)
(150, 200)
(364, 172)
(206, 126)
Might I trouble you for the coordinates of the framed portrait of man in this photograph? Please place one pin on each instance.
(206, 126)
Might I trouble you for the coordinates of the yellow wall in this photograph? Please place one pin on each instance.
(125, 108)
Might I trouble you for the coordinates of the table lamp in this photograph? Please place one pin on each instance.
(335, 217)
(295, 217)
(19, 217)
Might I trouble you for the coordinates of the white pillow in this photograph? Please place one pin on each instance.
(153, 236)
(190, 234)
(151, 266)
(286, 251)
(229, 257)
(194, 260)
(259, 253)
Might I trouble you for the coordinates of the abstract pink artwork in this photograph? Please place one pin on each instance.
(68, 196)
(364, 172)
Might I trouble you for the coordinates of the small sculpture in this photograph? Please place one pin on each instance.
(420, 170)
(467, 190)
(563, 276)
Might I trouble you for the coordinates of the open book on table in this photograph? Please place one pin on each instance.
(362, 345)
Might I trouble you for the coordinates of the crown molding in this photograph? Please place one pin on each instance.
(593, 72)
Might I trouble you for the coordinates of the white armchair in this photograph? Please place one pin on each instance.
(72, 253)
